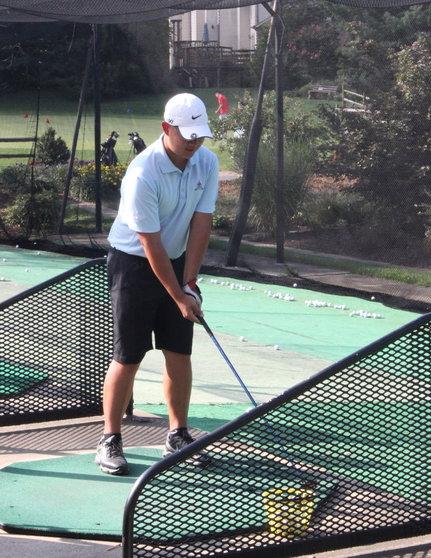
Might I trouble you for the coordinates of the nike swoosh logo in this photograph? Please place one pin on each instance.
(194, 117)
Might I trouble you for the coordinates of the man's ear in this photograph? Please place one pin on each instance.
(166, 128)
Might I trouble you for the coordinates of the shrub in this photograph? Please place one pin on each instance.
(220, 221)
(18, 177)
(32, 208)
(14, 176)
(333, 207)
(51, 150)
(298, 164)
(33, 214)
(82, 187)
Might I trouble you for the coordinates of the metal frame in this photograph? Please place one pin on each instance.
(63, 329)
(173, 467)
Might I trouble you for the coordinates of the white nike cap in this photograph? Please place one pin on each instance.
(188, 112)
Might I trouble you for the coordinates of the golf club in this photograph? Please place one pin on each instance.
(228, 362)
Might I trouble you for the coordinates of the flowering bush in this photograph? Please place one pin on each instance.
(83, 182)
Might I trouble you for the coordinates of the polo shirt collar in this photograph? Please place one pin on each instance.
(166, 165)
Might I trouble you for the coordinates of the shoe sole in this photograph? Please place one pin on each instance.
(117, 472)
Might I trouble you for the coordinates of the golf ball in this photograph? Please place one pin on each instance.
(276, 348)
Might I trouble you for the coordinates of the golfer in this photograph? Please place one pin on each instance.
(223, 105)
(158, 242)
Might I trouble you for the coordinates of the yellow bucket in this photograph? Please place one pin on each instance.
(289, 510)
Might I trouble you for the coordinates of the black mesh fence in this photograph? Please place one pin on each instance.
(56, 342)
(341, 459)
(96, 11)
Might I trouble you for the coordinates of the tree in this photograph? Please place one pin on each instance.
(388, 149)
(52, 55)
(310, 42)
(302, 134)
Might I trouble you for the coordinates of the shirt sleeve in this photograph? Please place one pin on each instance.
(209, 197)
(139, 207)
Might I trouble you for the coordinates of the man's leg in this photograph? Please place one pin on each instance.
(117, 391)
(177, 385)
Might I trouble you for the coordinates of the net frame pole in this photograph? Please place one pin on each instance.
(82, 99)
(249, 169)
(279, 91)
(97, 133)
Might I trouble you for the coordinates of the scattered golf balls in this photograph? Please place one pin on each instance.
(364, 314)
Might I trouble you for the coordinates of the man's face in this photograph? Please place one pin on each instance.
(180, 147)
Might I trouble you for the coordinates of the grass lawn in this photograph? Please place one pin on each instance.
(138, 113)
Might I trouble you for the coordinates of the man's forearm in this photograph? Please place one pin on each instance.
(200, 230)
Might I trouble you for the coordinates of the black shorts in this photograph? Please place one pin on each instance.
(141, 306)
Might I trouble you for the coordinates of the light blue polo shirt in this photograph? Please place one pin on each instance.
(158, 196)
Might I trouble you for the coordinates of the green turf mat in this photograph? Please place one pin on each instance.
(69, 495)
(30, 267)
(16, 379)
(311, 323)
(206, 417)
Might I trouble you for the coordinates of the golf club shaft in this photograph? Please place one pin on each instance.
(228, 362)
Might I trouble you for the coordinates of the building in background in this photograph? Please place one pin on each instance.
(213, 48)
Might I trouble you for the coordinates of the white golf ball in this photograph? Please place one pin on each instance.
(276, 348)
(373, 298)
(242, 338)
(17, 246)
(4, 259)
(27, 270)
(295, 284)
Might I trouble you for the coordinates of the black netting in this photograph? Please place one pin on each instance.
(123, 11)
(342, 457)
(56, 342)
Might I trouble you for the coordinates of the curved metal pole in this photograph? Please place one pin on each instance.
(97, 134)
(279, 91)
(249, 169)
(81, 103)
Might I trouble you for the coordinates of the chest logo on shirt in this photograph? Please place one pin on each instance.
(199, 186)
